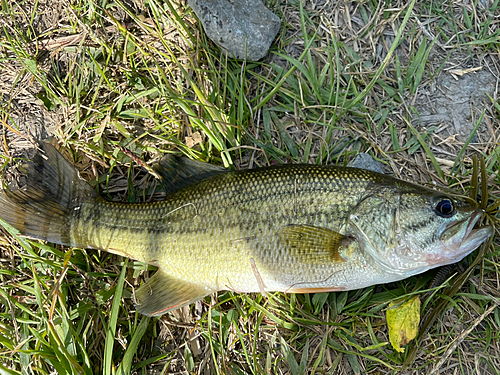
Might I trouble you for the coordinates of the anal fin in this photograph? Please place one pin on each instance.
(163, 293)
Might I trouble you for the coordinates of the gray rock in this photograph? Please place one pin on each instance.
(245, 28)
(452, 101)
(366, 161)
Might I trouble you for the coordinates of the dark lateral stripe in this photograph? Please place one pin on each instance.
(247, 223)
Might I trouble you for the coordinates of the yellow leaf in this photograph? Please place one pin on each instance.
(403, 320)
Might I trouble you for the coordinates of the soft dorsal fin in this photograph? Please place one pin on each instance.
(312, 244)
(177, 172)
(163, 293)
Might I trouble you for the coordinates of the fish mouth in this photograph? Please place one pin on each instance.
(461, 238)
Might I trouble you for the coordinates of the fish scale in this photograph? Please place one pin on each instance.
(290, 228)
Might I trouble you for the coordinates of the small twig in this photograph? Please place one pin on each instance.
(139, 161)
(258, 278)
(461, 338)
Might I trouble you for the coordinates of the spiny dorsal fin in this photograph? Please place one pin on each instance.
(163, 293)
(177, 172)
(312, 244)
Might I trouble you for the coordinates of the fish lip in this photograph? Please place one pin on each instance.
(473, 219)
(477, 233)
(469, 237)
(471, 232)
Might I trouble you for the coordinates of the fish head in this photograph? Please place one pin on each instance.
(409, 231)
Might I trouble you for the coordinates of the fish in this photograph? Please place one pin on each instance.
(296, 228)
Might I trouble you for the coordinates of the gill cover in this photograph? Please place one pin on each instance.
(373, 221)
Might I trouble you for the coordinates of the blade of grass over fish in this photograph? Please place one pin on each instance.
(113, 319)
(384, 64)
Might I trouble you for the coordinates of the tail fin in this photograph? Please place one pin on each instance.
(42, 208)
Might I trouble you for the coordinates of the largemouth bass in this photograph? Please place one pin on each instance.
(289, 228)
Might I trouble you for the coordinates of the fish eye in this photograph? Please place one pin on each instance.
(445, 208)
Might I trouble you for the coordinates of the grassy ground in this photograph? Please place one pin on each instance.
(341, 78)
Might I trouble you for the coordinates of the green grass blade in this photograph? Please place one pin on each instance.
(426, 149)
(112, 323)
(126, 364)
(384, 64)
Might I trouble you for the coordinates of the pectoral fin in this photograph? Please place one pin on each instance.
(310, 244)
(163, 293)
